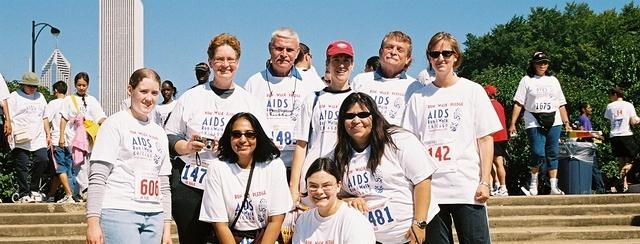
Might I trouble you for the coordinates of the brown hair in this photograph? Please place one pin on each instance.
(142, 73)
(223, 39)
(440, 36)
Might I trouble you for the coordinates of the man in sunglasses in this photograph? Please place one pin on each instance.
(389, 85)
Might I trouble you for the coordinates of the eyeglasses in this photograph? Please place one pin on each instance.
(315, 188)
(221, 60)
(236, 134)
(445, 53)
(362, 115)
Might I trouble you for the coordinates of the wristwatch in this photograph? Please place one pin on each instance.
(422, 224)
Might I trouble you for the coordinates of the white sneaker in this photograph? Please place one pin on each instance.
(533, 189)
(556, 191)
(26, 199)
(37, 196)
(502, 193)
(66, 199)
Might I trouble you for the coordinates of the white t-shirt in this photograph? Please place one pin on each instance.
(53, 113)
(90, 108)
(391, 95)
(162, 111)
(311, 78)
(619, 113)
(4, 90)
(426, 76)
(449, 121)
(199, 111)
(324, 134)
(281, 99)
(347, 225)
(224, 189)
(27, 114)
(539, 94)
(389, 192)
(139, 153)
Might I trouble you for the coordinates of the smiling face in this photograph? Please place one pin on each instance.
(283, 54)
(224, 63)
(243, 142)
(340, 67)
(441, 64)
(323, 189)
(144, 96)
(395, 55)
(541, 67)
(358, 125)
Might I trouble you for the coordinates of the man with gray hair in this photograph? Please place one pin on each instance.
(281, 89)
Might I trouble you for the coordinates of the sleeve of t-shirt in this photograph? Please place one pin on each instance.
(413, 159)
(409, 121)
(107, 142)
(486, 119)
(281, 197)
(360, 230)
(65, 108)
(213, 207)
(607, 112)
(175, 124)
(50, 110)
(559, 94)
(165, 169)
(632, 111)
(301, 131)
(4, 90)
(521, 92)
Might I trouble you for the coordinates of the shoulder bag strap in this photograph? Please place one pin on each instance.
(246, 195)
(315, 101)
(75, 103)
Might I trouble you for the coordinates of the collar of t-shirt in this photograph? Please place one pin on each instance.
(378, 75)
(222, 93)
(292, 72)
(326, 89)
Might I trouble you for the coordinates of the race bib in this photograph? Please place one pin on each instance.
(444, 154)
(194, 172)
(283, 136)
(380, 217)
(147, 187)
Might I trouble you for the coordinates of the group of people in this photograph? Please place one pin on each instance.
(380, 158)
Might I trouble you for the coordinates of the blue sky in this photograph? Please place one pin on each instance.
(177, 32)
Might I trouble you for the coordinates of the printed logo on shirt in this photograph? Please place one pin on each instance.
(145, 146)
(213, 123)
(283, 106)
(444, 116)
(361, 182)
(390, 104)
(328, 117)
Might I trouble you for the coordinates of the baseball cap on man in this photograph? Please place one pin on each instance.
(30, 79)
(539, 57)
(339, 47)
(491, 90)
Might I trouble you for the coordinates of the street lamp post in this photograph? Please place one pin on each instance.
(34, 37)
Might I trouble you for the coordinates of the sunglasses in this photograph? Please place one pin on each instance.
(236, 134)
(362, 115)
(445, 53)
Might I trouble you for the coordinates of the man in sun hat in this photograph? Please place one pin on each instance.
(30, 136)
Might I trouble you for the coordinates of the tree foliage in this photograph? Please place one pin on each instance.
(590, 53)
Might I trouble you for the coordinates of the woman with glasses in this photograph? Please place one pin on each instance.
(454, 119)
(332, 220)
(315, 131)
(129, 198)
(387, 172)
(245, 193)
(79, 107)
(545, 114)
(194, 128)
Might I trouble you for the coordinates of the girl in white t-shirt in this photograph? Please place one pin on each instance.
(387, 172)
(163, 110)
(332, 221)
(245, 192)
(129, 200)
(315, 132)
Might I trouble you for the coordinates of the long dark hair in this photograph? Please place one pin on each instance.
(380, 137)
(266, 150)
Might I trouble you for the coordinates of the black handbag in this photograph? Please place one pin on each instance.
(545, 119)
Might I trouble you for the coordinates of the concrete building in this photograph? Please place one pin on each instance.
(121, 49)
(59, 66)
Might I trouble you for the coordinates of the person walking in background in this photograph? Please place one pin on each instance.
(78, 109)
(373, 63)
(316, 130)
(332, 220)
(389, 85)
(545, 114)
(454, 119)
(61, 155)
(304, 64)
(245, 193)
(622, 115)
(203, 71)
(163, 110)
(194, 128)
(499, 143)
(30, 136)
(388, 172)
(280, 89)
(583, 122)
(129, 200)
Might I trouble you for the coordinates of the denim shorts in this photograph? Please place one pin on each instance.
(125, 226)
(63, 160)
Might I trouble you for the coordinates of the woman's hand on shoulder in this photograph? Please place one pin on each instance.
(358, 203)
(94, 231)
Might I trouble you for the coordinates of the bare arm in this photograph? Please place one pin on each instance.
(517, 108)
(273, 228)
(564, 117)
(7, 118)
(296, 169)
(421, 200)
(223, 233)
(485, 146)
(183, 147)
(47, 131)
(63, 127)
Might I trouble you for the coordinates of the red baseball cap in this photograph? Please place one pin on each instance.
(339, 47)
(490, 89)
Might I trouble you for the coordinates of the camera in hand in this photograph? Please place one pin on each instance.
(209, 143)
